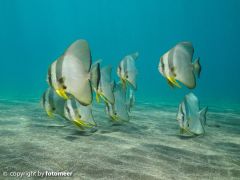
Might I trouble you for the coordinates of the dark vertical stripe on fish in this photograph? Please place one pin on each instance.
(170, 61)
(59, 66)
(186, 108)
(90, 61)
(124, 66)
(50, 96)
(162, 66)
(50, 76)
(44, 99)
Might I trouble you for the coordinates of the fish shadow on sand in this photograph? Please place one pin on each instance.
(84, 133)
(184, 137)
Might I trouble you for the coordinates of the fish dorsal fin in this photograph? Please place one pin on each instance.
(113, 84)
(80, 50)
(187, 47)
(106, 73)
(134, 55)
(96, 62)
(203, 115)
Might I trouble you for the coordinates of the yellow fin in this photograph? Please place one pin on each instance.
(124, 84)
(112, 119)
(50, 114)
(62, 94)
(181, 131)
(78, 125)
(97, 97)
(170, 83)
(189, 132)
(117, 118)
(81, 123)
(174, 82)
(104, 99)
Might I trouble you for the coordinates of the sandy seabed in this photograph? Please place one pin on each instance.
(148, 147)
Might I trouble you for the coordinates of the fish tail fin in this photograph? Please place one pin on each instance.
(138, 73)
(197, 67)
(203, 115)
(95, 75)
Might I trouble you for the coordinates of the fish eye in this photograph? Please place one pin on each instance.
(115, 114)
(127, 76)
(188, 125)
(53, 108)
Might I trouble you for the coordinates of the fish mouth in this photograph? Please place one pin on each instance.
(113, 118)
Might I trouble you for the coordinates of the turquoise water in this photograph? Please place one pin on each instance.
(33, 34)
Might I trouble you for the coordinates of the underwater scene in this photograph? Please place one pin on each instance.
(130, 89)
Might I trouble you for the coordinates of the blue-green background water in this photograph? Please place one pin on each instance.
(34, 33)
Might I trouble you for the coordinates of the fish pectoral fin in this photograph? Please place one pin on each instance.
(170, 83)
(50, 114)
(63, 94)
(61, 80)
(81, 123)
(174, 69)
(189, 119)
(123, 83)
(174, 82)
(181, 131)
(189, 132)
(78, 125)
(97, 97)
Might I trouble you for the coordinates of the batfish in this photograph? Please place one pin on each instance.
(177, 64)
